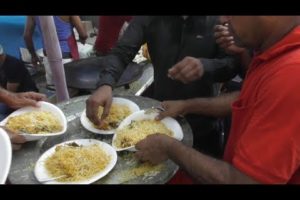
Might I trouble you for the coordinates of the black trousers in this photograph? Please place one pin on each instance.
(208, 142)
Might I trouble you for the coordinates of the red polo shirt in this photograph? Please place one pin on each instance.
(264, 141)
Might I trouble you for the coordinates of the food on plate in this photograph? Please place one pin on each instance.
(116, 114)
(138, 130)
(75, 163)
(35, 122)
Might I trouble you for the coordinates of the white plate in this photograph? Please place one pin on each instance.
(44, 106)
(86, 123)
(41, 173)
(5, 156)
(169, 122)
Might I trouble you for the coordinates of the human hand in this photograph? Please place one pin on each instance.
(35, 60)
(187, 70)
(154, 148)
(20, 100)
(101, 97)
(15, 139)
(82, 40)
(226, 41)
(172, 109)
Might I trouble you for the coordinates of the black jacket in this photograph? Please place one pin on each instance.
(170, 39)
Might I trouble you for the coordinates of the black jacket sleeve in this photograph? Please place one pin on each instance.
(223, 67)
(127, 47)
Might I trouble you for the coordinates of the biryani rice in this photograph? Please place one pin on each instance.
(117, 113)
(35, 122)
(137, 131)
(77, 163)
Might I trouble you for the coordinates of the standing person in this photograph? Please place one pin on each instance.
(264, 141)
(181, 48)
(64, 28)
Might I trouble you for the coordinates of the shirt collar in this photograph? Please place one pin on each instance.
(291, 40)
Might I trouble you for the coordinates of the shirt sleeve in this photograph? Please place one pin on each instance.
(114, 64)
(222, 67)
(269, 149)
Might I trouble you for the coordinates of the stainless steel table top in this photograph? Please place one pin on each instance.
(127, 170)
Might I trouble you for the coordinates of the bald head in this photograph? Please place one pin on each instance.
(260, 32)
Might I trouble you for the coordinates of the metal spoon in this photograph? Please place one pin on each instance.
(154, 110)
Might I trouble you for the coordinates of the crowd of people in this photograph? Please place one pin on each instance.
(195, 59)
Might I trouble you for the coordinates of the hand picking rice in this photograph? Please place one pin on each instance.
(116, 114)
(139, 130)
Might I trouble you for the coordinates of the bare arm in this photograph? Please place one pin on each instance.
(218, 106)
(76, 22)
(19, 100)
(28, 33)
(204, 169)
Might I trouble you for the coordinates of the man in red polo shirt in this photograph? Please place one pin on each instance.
(264, 142)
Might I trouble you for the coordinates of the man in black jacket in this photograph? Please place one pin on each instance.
(179, 46)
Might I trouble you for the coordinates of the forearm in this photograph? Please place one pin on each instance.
(205, 169)
(5, 96)
(113, 69)
(219, 106)
(76, 22)
(220, 69)
(123, 53)
(28, 34)
(30, 45)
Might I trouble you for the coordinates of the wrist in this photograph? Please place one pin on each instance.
(106, 86)
(170, 144)
(184, 104)
(6, 96)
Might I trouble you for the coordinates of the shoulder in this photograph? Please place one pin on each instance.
(284, 78)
